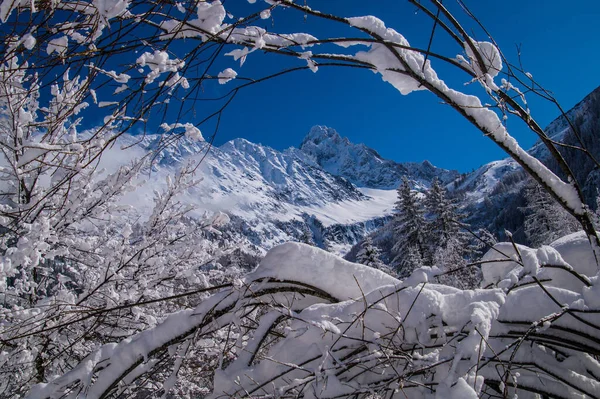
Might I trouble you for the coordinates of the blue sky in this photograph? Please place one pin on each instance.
(559, 46)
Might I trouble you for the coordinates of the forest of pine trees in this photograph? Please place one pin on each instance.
(428, 231)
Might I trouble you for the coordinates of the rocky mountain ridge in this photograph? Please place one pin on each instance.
(276, 196)
(362, 165)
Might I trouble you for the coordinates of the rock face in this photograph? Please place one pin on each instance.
(362, 165)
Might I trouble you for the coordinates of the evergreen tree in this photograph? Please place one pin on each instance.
(408, 229)
(449, 246)
(545, 219)
(368, 254)
(442, 214)
(410, 260)
(306, 236)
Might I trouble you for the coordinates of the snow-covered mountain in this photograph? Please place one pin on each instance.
(585, 116)
(493, 193)
(482, 182)
(329, 191)
(362, 165)
(270, 196)
(332, 192)
(582, 114)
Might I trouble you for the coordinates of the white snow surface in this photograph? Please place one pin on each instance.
(369, 313)
(556, 263)
(490, 55)
(58, 45)
(226, 75)
(378, 203)
(299, 262)
(576, 250)
(482, 182)
(321, 330)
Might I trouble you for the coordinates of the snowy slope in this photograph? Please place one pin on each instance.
(583, 112)
(493, 193)
(378, 203)
(272, 196)
(362, 165)
(254, 181)
(482, 182)
(334, 189)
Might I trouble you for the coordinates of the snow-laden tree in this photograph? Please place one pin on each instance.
(369, 255)
(410, 259)
(545, 219)
(409, 230)
(80, 267)
(305, 323)
(306, 235)
(442, 214)
(443, 221)
(449, 247)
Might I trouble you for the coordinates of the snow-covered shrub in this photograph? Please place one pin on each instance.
(309, 324)
(80, 267)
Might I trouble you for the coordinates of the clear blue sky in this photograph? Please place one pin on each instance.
(560, 47)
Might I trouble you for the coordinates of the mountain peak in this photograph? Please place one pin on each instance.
(319, 134)
(362, 165)
(427, 164)
(239, 143)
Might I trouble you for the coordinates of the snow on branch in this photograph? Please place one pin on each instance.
(352, 330)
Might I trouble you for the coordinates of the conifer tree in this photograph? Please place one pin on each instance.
(545, 219)
(306, 236)
(448, 245)
(368, 254)
(443, 216)
(409, 261)
(408, 229)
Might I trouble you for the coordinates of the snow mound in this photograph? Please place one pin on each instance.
(575, 249)
(567, 263)
(330, 328)
(359, 330)
(298, 262)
